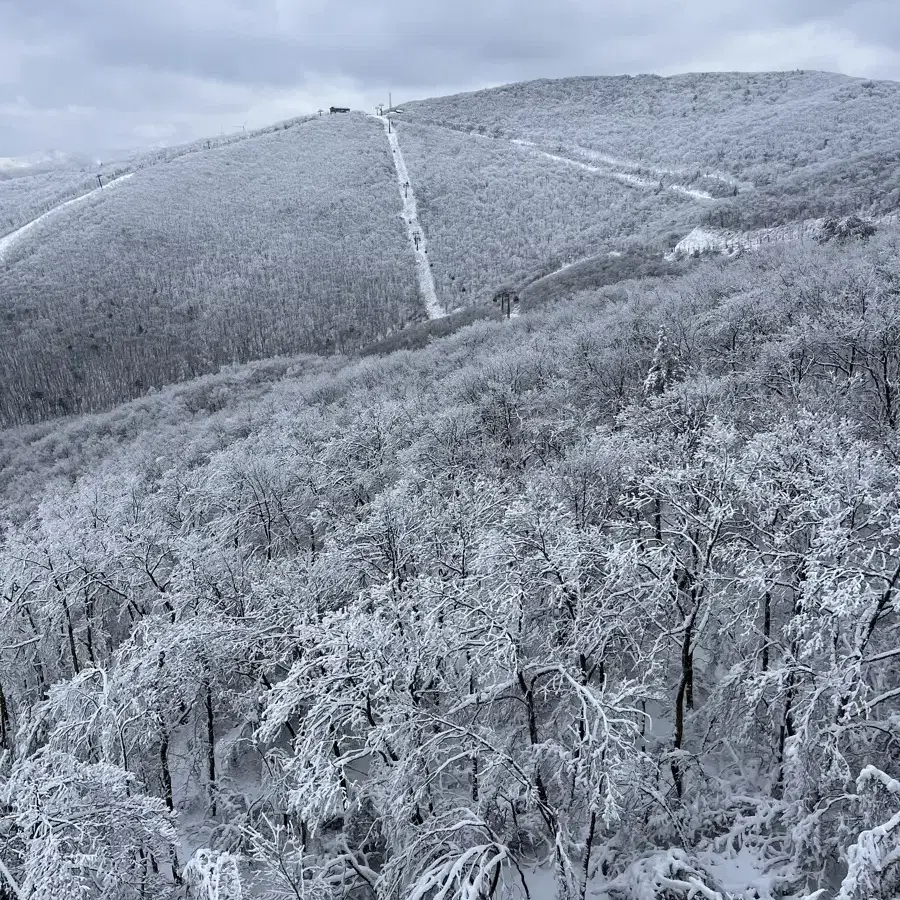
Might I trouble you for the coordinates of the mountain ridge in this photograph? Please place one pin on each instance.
(598, 597)
(509, 182)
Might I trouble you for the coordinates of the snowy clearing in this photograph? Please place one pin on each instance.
(10, 240)
(719, 240)
(620, 163)
(417, 242)
(623, 177)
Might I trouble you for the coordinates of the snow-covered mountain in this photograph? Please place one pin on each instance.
(295, 238)
(599, 601)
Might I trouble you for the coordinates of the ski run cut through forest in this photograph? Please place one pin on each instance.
(414, 229)
(495, 498)
(8, 241)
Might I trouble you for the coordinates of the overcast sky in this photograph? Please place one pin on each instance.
(94, 75)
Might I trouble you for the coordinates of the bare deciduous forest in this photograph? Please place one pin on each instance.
(602, 600)
(286, 243)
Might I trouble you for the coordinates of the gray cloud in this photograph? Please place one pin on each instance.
(85, 74)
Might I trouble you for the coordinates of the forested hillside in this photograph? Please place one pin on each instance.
(792, 144)
(27, 196)
(600, 601)
(289, 242)
(31, 186)
(293, 239)
(497, 213)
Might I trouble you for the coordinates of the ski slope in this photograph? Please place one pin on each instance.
(13, 238)
(620, 163)
(414, 230)
(628, 178)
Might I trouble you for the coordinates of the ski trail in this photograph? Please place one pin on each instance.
(411, 216)
(574, 262)
(623, 177)
(618, 162)
(690, 192)
(612, 166)
(13, 238)
(609, 167)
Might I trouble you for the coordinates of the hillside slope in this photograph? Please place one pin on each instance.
(292, 239)
(601, 601)
(498, 213)
(30, 186)
(285, 243)
(793, 144)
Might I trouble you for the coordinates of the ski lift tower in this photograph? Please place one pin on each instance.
(507, 300)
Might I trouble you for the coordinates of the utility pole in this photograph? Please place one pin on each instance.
(405, 190)
(99, 181)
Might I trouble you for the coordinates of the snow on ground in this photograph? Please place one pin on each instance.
(615, 254)
(10, 240)
(737, 874)
(609, 165)
(721, 240)
(701, 240)
(690, 192)
(411, 217)
(540, 881)
(614, 162)
(619, 163)
(744, 873)
(623, 177)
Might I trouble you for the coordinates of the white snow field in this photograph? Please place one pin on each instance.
(13, 238)
(416, 233)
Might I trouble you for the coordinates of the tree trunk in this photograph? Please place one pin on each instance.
(4, 720)
(684, 699)
(164, 773)
(71, 636)
(588, 846)
(210, 749)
